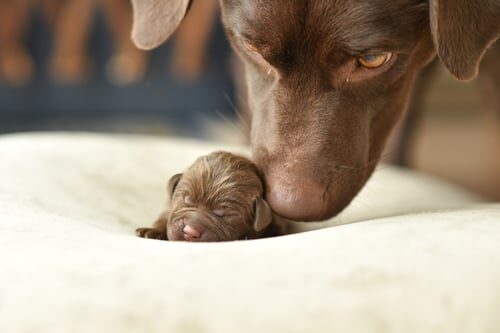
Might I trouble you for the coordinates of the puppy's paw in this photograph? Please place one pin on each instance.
(151, 233)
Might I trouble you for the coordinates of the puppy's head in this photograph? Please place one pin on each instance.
(328, 80)
(219, 198)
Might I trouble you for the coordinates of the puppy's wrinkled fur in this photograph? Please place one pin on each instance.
(320, 120)
(219, 198)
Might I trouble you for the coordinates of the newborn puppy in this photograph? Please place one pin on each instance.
(219, 198)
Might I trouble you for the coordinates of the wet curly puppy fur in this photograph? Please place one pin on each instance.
(218, 198)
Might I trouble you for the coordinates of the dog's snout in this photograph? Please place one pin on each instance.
(299, 194)
(301, 200)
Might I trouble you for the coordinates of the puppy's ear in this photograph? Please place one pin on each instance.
(462, 31)
(172, 183)
(263, 215)
(156, 20)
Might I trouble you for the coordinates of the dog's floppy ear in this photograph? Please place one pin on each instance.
(462, 31)
(156, 20)
(263, 215)
(172, 184)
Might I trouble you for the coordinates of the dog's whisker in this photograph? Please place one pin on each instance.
(367, 164)
(231, 122)
(243, 121)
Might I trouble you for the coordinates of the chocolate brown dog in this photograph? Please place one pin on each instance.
(328, 81)
(219, 198)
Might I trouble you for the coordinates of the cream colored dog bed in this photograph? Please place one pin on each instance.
(424, 257)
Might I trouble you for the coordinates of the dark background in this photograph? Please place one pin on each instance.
(456, 137)
(159, 104)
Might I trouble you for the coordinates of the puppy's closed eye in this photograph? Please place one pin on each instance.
(225, 213)
(219, 212)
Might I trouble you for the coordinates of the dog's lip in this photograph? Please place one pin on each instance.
(295, 195)
(301, 200)
(314, 210)
(319, 208)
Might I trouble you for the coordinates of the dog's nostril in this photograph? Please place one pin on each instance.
(190, 233)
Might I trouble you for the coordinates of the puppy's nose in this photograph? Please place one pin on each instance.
(190, 233)
(194, 228)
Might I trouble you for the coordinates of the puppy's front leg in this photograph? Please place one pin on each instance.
(158, 231)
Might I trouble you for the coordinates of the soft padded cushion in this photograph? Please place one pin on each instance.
(425, 258)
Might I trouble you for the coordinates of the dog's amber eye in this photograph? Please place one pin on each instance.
(373, 61)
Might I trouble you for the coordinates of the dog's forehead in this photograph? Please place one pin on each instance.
(359, 24)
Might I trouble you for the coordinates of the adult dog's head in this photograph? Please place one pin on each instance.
(328, 80)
